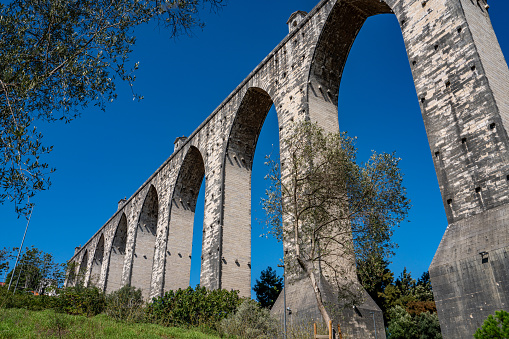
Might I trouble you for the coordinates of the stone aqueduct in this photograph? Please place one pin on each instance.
(462, 83)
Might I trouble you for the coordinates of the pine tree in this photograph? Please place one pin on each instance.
(269, 286)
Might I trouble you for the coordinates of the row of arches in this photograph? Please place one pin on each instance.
(236, 238)
(176, 273)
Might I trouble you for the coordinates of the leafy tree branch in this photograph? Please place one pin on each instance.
(60, 56)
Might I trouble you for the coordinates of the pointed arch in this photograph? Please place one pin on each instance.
(71, 274)
(83, 268)
(247, 125)
(236, 215)
(331, 52)
(144, 244)
(97, 262)
(117, 255)
(182, 209)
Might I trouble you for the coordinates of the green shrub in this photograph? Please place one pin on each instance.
(428, 326)
(88, 301)
(125, 304)
(192, 307)
(250, 321)
(26, 300)
(401, 325)
(494, 327)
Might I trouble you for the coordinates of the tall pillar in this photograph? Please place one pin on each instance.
(462, 82)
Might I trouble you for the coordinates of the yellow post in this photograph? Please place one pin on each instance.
(330, 329)
(314, 327)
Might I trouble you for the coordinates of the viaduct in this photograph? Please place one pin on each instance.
(462, 84)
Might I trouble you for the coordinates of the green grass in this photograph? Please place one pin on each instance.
(20, 323)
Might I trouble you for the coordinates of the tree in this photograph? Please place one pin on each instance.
(402, 325)
(269, 286)
(414, 297)
(408, 307)
(58, 57)
(34, 268)
(6, 255)
(428, 326)
(405, 326)
(494, 326)
(322, 199)
(374, 281)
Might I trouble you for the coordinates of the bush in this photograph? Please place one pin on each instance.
(249, 322)
(405, 326)
(494, 327)
(26, 300)
(125, 304)
(78, 300)
(428, 326)
(401, 325)
(192, 307)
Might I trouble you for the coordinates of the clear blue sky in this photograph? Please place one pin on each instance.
(104, 156)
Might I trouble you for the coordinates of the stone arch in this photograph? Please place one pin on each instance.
(460, 76)
(97, 262)
(83, 268)
(236, 215)
(71, 274)
(144, 244)
(331, 52)
(117, 255)
(177, 265)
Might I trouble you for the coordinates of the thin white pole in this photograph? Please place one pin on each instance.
(21, 247)
(284, 296)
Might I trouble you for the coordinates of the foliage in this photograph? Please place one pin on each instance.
(374, 281)
(250, 321)
(404, 326)
(21, 324)
(6, 255)
(59, 57)
(494, 326)
(37, 271)
(269, 286)
(322, 198)
(125, 304)
(79, 300)
(408, 306)
(401, 325)
(26, 300)
(428, 326)
(192, 307)
(414, 297)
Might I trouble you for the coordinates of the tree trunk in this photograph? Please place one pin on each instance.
(308, 268)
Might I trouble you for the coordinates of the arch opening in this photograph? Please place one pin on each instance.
(117, 255)
(370, 68)
(82, 271)
(341, 45)
(71, 274)
(337, 37)
(179, 248)
(97, 262)
(236, 265)
(451, 93)
(378, 72)
(144, 245)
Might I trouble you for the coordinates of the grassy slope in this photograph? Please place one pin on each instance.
(20, 323)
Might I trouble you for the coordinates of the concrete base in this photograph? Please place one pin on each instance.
(356, 322)
(470, 272)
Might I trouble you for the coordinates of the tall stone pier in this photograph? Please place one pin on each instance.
(462, 85)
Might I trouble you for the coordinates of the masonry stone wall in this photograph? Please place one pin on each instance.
(461, 81)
